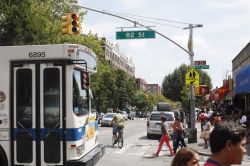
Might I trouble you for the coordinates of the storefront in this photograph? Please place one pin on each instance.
(243, 86)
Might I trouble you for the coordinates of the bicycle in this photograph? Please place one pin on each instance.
(118, 140)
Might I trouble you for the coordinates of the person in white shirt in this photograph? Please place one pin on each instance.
(243, 120)
(206, 132)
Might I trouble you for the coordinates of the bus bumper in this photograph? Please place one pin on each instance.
(90, 159)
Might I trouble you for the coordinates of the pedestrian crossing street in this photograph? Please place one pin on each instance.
(146, 151)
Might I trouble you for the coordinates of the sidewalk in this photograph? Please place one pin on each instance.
(200, 144)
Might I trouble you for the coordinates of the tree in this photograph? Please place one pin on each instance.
(103, 85)
(174, 86)
(125, 90)
(32, 21)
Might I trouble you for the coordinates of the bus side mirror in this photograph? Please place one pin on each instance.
(84, 80)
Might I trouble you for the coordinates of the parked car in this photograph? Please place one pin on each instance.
(107, 118)
(124, 114)
(154, 123)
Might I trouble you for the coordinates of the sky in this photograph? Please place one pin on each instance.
(225, 32)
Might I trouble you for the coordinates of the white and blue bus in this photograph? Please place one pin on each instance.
(45, 106)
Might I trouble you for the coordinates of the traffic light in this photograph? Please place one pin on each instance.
(84, 80)
(66, 26)
(75, 23)
(204, 90)
(197, 90)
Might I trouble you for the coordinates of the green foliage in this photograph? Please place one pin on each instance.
(112, 88)
(174, 82)
(175, 89)
(32, 21)
(145, 101)
(24, 22)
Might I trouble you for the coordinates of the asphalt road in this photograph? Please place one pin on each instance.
(137, 149)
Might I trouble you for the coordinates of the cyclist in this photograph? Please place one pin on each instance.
(118, 123)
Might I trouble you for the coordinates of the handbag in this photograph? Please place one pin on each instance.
(180, 134)
(205, 134)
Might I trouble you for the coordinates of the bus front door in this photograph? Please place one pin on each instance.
(37, 130)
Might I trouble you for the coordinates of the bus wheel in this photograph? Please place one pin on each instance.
(3, 158)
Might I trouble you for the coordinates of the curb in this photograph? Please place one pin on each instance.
(204, 153)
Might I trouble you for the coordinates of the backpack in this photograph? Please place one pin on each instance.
(202, 117)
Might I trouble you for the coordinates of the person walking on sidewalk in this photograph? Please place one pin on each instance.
(228, 144)
(165, 137)
(180, 134)
(202, 118)
(186, 157)
(206, 132)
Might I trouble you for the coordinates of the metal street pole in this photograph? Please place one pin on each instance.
(190, 51)
(134, 22)
(191, 56)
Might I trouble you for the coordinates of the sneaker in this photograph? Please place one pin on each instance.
(155, 155)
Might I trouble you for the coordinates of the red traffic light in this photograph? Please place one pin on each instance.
(74, 16)
(204, 90)
(76, 25)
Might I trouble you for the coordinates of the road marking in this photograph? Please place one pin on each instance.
(123, 149)
(133, 149)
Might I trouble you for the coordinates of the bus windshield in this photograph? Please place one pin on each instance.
(80, 97)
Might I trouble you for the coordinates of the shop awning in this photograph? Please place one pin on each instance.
(219, 93)
(230, 95)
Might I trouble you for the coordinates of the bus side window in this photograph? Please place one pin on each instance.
(80, 96)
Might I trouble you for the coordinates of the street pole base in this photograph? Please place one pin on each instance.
(192, 135)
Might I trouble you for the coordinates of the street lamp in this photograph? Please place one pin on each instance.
(191, 56)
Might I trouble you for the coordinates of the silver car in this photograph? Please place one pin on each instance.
(154, 123)
(107, 118)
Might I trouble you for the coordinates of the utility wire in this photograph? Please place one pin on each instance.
(153, 18)
(136, 23)
(168, 25)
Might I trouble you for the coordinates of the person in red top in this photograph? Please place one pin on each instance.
(228, 144)
(202, 118)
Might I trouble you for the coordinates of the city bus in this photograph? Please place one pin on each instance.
(46, 115)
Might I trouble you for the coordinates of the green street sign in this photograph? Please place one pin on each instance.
(135, 34)
(201, 67)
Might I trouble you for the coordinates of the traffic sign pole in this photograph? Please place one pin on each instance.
(193, 131)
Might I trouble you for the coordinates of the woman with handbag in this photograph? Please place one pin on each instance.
(179, 134)
(206, 132)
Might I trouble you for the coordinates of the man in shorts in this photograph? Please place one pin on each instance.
(118, 123)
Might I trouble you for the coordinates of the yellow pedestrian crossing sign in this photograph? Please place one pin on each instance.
(192, 77)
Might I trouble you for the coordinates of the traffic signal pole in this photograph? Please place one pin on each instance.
(134, 22)
(191, 87)
(190, 51)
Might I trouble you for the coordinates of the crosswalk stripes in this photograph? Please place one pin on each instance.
(133, 149)
(146, 151)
